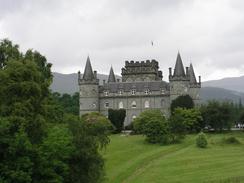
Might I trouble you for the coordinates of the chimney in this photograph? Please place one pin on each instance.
(95, 74)
(199, 79)
(187, 71)
(170, 71)
(79, 77)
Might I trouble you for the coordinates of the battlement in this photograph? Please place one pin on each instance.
(146, 63)
(141, 71)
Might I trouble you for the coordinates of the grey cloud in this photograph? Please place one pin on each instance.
(208, 33)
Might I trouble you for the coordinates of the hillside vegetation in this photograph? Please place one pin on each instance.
(131, 159)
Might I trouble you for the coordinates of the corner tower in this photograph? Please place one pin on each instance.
(179, 82)
(183, 81)
(89, 93)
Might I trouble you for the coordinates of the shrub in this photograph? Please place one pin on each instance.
(231, 140)
(201, 140)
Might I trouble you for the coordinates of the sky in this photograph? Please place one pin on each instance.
(207, 33)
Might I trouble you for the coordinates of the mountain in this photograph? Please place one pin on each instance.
(68, 83)
(220, 94)
(232, 83)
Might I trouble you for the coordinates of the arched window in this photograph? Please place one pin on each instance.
(133, 117)
(146, 104)
(121, 106)
(133, 104)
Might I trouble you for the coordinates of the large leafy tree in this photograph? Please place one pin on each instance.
(183, 121)
(217, 115)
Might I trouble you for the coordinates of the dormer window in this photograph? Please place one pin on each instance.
(147, 91)
(106, 93)
(133, 92)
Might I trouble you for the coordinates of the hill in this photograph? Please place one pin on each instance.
(232, 83)
(68, 83)
(220, 94)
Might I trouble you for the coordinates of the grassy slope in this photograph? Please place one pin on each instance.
(130, 159)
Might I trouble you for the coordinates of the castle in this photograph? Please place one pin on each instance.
(141, 88)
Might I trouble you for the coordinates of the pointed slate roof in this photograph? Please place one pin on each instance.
(192, 75)
(111, 77)
(88, 73)
(179, 68)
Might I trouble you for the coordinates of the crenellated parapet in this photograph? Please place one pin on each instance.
(141, 71)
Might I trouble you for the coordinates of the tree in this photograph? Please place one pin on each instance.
(69, 103)
(217, 115)
(89, 133)
(152, 124)
(183, 101)
(183, 121)
(117, 118)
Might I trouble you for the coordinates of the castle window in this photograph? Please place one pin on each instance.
(121, 106)
(120, 92)
(94, 105)
(146, 104)
(162, 91)
(147, 91)
(133, 104)
(106, 105)
(106, 93)
(133, 92)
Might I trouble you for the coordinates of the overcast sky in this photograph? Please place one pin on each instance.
(208, 33)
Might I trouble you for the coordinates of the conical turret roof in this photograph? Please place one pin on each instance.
(179, 68)
(88, 73)
(192, 75)
(111, 77)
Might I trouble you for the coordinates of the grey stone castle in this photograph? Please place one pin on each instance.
(141, 88)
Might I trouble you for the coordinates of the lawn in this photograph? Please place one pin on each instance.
(131, 159)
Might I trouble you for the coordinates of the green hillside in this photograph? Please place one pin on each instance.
(130, 159)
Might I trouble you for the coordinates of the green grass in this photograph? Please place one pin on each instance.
(131, 159)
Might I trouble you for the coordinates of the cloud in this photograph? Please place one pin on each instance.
(208, 33)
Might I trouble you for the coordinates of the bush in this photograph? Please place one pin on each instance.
(153, 125)
(231, 140)
(201, 140)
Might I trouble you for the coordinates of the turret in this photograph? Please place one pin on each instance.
(179, 81)
(111, 77)
(89, 93)
(194, 86)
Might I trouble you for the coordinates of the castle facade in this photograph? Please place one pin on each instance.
(141, 88)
